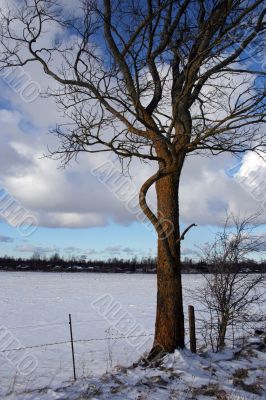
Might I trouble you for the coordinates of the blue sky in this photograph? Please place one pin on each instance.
(77, 214)
(101, 242)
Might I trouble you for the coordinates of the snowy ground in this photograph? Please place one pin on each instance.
(238, 375)
(34, 310)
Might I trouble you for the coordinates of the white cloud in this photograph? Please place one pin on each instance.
(10, 117)
(30, 248)
(188, 252)
(74, 198)
(118, 250)
(6, 239)
(207, 191)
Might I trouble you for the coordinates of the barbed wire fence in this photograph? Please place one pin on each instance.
(72, 341)
(200, 320)
(6, 348)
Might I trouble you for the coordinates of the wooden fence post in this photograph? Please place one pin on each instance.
(72, 347)
(192, 329)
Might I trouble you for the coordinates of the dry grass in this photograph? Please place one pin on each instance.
(239, 376)
(240, 373)
(211, 390)
(254, 387)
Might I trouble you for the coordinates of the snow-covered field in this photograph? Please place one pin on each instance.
(34, 311)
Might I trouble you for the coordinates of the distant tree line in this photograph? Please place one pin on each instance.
(133, 265)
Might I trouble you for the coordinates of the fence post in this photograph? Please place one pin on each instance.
(192, 329)
(72, 347)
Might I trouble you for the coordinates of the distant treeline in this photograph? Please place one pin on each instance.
(144, 265)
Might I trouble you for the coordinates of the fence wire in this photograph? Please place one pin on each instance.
(75, 341)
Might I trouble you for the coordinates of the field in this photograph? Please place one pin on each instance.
(104, 308)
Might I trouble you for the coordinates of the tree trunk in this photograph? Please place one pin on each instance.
(169, 328)
(222, 327)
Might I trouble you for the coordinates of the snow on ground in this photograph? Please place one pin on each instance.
(34, 310)
(180, 376)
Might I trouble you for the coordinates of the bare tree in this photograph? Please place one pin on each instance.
(156, 80)
(230, 291)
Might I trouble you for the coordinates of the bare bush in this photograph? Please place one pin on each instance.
(230, 291)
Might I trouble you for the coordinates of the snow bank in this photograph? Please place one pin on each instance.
(235, 375)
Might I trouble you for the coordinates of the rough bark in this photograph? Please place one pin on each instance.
(169, 328)
(221, 333)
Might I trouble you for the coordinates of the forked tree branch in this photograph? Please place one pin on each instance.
(182, 237)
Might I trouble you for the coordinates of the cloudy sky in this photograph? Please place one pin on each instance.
(77, 214)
